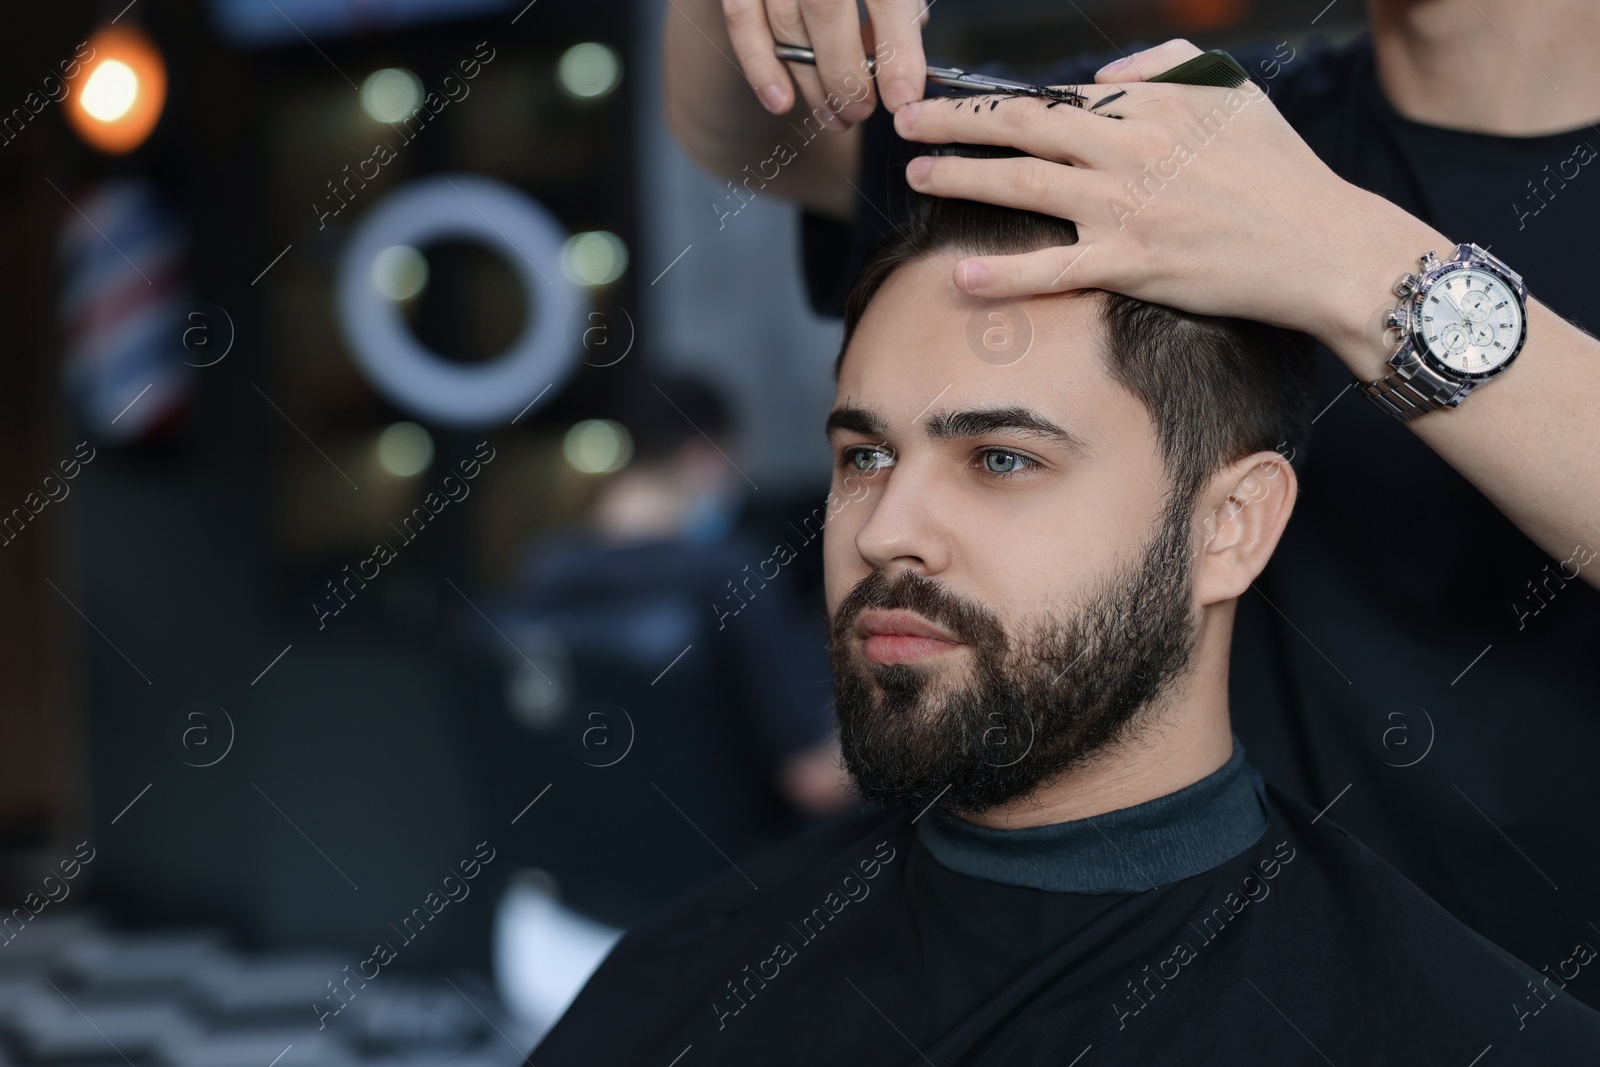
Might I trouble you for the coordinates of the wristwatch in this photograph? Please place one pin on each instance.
(1461, 322)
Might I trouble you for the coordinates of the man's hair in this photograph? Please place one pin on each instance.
(1217, 389)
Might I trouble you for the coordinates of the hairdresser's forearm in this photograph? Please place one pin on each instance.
(1526, 439)
(713, 112)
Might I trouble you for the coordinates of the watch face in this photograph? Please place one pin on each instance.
(1470, 322)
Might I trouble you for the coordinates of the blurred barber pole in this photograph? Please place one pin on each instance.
(121, 257)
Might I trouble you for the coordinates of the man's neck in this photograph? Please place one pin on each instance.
(1505, 67)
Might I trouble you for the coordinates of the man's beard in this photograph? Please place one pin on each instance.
(1038, 705)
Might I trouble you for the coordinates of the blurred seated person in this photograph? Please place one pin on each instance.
(668, 683)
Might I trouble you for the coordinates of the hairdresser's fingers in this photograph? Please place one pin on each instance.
(753, 44)
(835, 31)
(1063, 132)
(1048, 270)
(902, 70)
(788, 26)
(1021, 182)
(1142, 66)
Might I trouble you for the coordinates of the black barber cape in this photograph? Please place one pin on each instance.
(1220, 924)
(1406, 640)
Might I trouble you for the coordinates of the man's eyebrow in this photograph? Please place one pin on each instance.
(848, 418)
(944, 425)
(951, 425)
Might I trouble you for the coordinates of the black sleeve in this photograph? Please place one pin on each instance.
(833, 252)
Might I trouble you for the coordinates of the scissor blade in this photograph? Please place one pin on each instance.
(952, 77)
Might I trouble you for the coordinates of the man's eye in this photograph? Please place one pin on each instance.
(851, 458)
(1000, 461)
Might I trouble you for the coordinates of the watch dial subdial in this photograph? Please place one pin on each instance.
(1475, 305)
(1482, 334)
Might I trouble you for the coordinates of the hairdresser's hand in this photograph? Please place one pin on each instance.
(839, 89)
(1199, 198)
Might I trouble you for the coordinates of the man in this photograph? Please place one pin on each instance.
(1033, 557)
(1421, 644)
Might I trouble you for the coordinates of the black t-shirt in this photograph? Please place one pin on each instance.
(1408, 652)
(1176, 941)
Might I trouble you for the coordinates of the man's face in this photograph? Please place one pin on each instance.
(1053, 565)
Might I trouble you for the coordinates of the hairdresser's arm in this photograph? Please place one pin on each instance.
(731, 102)
(1241, 218)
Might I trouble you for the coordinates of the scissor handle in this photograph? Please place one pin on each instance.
(800, 54)
(950, 77)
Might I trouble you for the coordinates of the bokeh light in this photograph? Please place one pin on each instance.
(596, 257)
(111, 91)
(588, 71)
(117, 96)
(598, 446)
(1194, 16)
(400, 272)
(405, 449)
(391, 94)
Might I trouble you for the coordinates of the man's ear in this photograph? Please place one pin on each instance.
(1238, 520)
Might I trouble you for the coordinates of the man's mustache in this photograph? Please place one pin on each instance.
(910, 592)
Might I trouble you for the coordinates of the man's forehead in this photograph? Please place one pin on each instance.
(925, 353)
(918, 311)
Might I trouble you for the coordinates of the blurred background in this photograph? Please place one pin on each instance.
(410, 514)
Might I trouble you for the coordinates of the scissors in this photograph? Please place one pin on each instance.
(954, 77)
(1215, 67)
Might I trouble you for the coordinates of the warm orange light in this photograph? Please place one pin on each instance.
(116, 97)
(1191, 16)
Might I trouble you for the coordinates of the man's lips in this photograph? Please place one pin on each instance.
(901, 623)
(900, 637)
